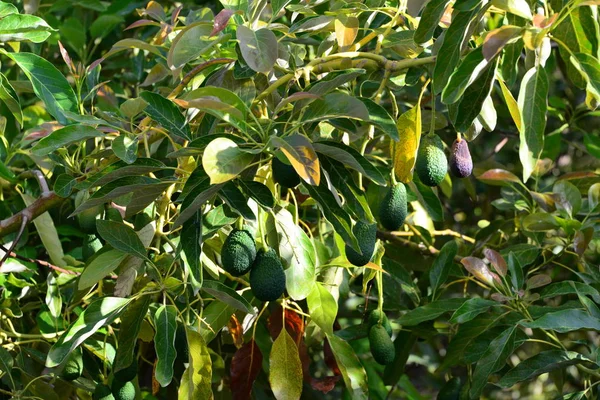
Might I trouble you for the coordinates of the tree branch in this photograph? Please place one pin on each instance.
(34, 210)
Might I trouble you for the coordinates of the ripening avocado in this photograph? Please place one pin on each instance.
(394, 208)
(451, 390)
(431, 163)
(461, 163)
(238, 252)
(373, 319)
(284, 174)
(381, 344)
(123, 390)
(91, 244)
(87, 219)
(102, 392)
(127, 374)
(74, 366)
(366, 234)
(267, 278)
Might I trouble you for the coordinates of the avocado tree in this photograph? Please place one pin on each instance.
(299, 199)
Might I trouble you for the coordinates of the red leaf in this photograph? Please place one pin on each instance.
(245, 367)
(293, 323)
(330, 358)
(221, 20)
(325, 384)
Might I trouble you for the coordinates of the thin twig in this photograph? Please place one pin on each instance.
(42, 263)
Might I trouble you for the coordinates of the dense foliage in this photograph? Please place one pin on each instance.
(318, 199)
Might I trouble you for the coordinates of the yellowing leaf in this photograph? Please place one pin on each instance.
(346, 29)
(511, 103)
(405, 150)
(196, 380)
(285, 374)
(223, 160)
(301, 154)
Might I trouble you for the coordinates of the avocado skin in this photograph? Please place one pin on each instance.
(461, 163)
(123, 390)
(267, 278)
(431, 163)
(74, 366)
(238, 252)
(366, 234)
(382, 347)
(451, 390)
(394, 208)
(284, 174)
(127, 374)
(373, 319)
(91, 244)
(102, 392)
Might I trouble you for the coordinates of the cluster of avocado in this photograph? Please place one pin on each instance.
(122, 387)
(380, 338)
(239, 256)
(432, 164)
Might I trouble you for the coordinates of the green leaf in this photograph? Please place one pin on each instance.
(450, 50)
(259, 192)
(197, 378)
(516, 271)
(48, 84)
(63, 186)
(166, 113)
(428, 199)
(589, 67)
(6, 360)
(524, 253)
(403, 345)
(540, 222)
(165, 324)
(469, 69)
(259, 48)
(99, 267)
(441, 266)
(125, 148)
(196, 202)
(121, 169)
(121, 237)
(567, 197)
(10, 97)
(592, 144)
(191, 244)
(7, 9)
(430, 311)
(353, 373)
(100, 312)
(24, 27)
(493, 359)
(565, 321)
(64, 137)
(299, 255)
(216, 315)
(223, 160)
(350, 158)
(285, 371)
(533, 104)
(323, 307)
(190, 43)
(470, 309)
(517, 7)
(379, 117)
(300, 153)
(131, 323)
(336, 105)
(430, 18)
(541, 363)
(237, 201)
(227, 295)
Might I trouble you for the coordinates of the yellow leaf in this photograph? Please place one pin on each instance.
(301, 154)
(512, 105)
(405, 150)
(346, 29)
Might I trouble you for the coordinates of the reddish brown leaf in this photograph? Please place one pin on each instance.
(221, 20)
(498, 177)
(480, 270)
(325, 384)
(43, 130)
(142, 22)
(67, 59)
(330, 358)
(293, 323)
(155, 384)
(582, 240)
(495, 40)
(245, 367)
(175, 15)
(496, 260)
(236, 331)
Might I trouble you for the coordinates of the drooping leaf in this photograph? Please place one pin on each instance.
(196, 380)
(131, 323)
(351, 158)
(165, 323)
(259, 192)
(191, 244)
(259, 48)
(405, 150)
(227, 295)
(285, 374)
(10, 97)
(236, 200)
(353, 373)
(441, 266)
(430, 18)
(245, 367)
(323, 308)
(379, 117)
(565, 321)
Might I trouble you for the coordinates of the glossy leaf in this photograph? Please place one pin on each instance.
(285, 373)
(131, 323)
(99, 267)
(223, 160)
(64, 137)
(379, 117)
(352, 371)
(166, 113)
(350, 158)
(165, 323)
(259, 48)
(565, 321)
(441, 266)
(301, 154)
(10, 97)
(24, 27)
(323, 307)
(191, 244)
(227, 295)
(197, 378)
(236, 200)
(121, 237)
(470, 309)
(430, 18)
(190, 43)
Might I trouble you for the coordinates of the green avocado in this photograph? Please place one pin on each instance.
(381, 344)
(267, 278)
(394, 208)
(373, 319)
(238, 252)
(432, 164)
(451, 390)
(87, 219)
(127, 374)
(91, 244)
(74, 366)
(102, 392)
(284, 174)
(123, 390)
(366, 234)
